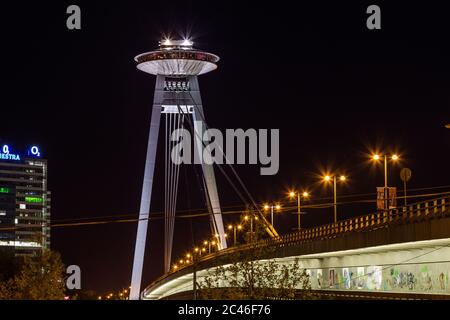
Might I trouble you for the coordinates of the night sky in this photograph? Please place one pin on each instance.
(334, 89)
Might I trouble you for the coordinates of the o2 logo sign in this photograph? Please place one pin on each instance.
(34, 151)
(7, 154)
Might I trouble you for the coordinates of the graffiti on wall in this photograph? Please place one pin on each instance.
(420, 278)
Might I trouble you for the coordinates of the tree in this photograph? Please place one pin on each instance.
(40, 277)
(249, 277)
(7, 263)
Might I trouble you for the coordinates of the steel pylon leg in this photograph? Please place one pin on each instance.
(212, 195)
(141, 238)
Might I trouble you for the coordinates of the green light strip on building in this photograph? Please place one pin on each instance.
(33, 199)
(4, 190)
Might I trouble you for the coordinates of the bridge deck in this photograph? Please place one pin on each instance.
(413, 226)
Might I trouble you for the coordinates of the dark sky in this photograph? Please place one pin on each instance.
(333, 88)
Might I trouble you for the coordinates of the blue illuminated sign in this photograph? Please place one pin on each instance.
(7, 154)
(34, 151)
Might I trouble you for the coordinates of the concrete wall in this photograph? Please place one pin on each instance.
(421, 267)
(388, 258)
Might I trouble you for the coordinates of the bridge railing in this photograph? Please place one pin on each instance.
(429, 209)
(416, 212)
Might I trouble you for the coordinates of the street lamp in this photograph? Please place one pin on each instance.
(208, 244)
(234, 228)
(299, 194)
(272, 207)
(195, 257)
(197, 252)
(250, 218)
(394, 158)
(328, 178)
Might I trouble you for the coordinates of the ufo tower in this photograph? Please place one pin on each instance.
(176, 65)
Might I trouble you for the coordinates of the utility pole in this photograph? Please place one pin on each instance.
(334, 199)
(194, 266)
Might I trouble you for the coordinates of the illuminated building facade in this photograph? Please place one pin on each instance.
(24, 201)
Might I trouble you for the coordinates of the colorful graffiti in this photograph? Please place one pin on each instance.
(420, 278)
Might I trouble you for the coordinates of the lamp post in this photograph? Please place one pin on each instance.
(394, 158)
(234, 228)
(328, 178)
(250, 218)
(212, 245)
(194, 267)
(207, 244)
(299, 212)
(272, 207)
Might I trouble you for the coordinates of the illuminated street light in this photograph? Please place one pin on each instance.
(208, 243)
(234, 228)
(250, 218)
(328, 178)
(394, 158)
(271, 207)
(292, 195)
